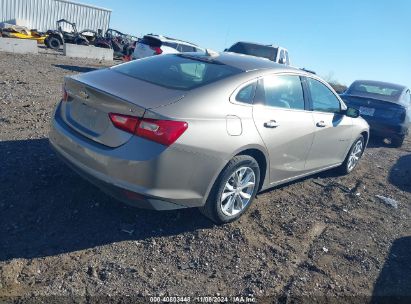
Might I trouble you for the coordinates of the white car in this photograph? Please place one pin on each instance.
(271, 52)
(152, 44)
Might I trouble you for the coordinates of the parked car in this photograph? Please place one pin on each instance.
(152, 44)
(208, 131)
(274, 53)
(66, 33)
(385, 106)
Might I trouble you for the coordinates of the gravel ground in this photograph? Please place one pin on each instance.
(327, 236)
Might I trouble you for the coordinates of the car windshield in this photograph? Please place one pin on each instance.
(177, 71)
(254, 50)
(378, 89)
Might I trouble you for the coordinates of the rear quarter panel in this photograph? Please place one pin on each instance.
(205, 110)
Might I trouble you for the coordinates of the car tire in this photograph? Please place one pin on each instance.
(53, 43)
(353, 157)
(397, 141)
(229, 190)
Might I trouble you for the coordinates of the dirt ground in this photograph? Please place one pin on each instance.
(323, 238)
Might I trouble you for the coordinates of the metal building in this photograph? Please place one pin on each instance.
(43, 14)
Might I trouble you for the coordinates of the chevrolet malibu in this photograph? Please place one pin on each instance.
(202, 130)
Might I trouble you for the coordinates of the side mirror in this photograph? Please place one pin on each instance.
(352, 112)
(281, 61)
(225, 50)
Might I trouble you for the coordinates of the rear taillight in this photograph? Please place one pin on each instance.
(124, 122)
(64, 96)
(156, 49)
(164, 132)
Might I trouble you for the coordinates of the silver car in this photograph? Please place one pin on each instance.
(202, 130)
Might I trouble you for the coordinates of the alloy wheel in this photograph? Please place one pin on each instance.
(238, 191)
(355, 155)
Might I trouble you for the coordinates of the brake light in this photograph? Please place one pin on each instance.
(164, 132)
(124, 122)
(156, 49)
(64, 96)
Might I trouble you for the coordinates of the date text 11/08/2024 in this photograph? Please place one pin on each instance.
(203, 299)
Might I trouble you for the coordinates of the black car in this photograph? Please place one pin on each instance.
(385, 106)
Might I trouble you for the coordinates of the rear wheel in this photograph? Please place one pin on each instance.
(353, 157)
(233, 191)
(397, 141)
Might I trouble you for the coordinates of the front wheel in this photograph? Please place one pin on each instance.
(233, 191)
(353, 157)
(53, 43)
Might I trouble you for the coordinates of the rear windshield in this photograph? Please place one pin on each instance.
(254, 50)
(177, 71)
(359, 88)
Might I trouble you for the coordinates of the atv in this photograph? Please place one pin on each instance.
(120, 43)
(56, 38)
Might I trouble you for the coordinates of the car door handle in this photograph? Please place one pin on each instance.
(320, 124)
(271, 124)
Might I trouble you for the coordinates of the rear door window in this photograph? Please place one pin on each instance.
(246, 94)
(282, 91)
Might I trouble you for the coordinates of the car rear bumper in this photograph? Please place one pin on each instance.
(140, 172)
(386, 129)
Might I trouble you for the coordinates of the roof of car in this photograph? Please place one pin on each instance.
(259, 44)
(169, 39)
(243, 62)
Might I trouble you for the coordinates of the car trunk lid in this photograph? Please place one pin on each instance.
(375, 109)
(92, 96)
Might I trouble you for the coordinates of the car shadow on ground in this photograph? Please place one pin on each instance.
(47, 209)
(394, 282)
(75, 68)
(400, 174)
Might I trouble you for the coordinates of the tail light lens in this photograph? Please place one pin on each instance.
(64, 96)
(164, 132)
(156, 49)
(124, 122)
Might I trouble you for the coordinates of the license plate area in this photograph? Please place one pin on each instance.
(367, 111)
(91, 119)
